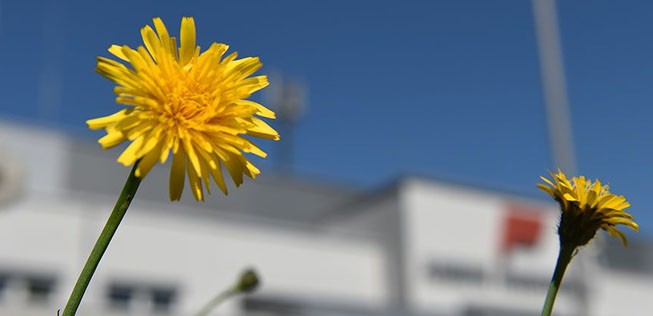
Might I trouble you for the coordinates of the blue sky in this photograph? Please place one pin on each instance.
(432, 87)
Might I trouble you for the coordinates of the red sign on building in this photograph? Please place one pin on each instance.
(521, 226)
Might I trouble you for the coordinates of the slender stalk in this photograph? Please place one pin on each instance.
(564, 257)
(119, 210)
(217, 301)
(247, 282)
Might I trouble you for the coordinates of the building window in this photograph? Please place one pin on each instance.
(525, 281)
(140, 297)
(39, 289)
(162, 299)
(4, 279)
(120, 295)
(457, 272)
(35, 288)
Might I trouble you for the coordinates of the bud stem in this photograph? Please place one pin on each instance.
(247, 283)
(217, 301)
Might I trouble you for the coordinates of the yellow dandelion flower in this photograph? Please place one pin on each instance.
(587, 206)
(193, 104)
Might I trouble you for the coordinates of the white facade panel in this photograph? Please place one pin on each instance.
(197, 255)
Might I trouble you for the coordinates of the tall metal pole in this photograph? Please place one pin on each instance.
(554, 86)
(1, 17)
(50, 82)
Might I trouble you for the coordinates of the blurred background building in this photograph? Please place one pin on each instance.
(415, 246)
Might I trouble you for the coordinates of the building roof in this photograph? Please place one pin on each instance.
(272, 195)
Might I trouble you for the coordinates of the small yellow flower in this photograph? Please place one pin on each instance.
(189, 102)
(587, 206)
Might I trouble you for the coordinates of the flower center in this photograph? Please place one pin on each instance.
(187, 103)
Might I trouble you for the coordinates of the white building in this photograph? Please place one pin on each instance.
(415, 247)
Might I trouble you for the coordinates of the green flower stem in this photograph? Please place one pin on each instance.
(119, 210)
(217, 301)
(564, 257)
